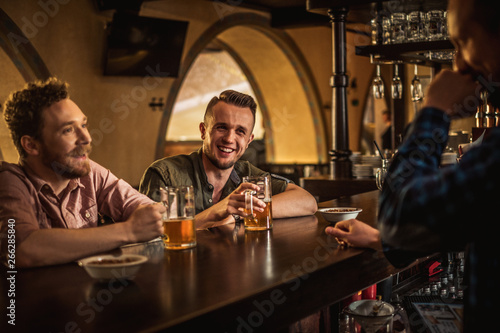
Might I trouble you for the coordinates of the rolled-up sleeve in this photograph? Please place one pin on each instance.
(17, 211)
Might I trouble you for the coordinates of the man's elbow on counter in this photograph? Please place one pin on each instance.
(25, 260)
(307, 205)
(312, 206)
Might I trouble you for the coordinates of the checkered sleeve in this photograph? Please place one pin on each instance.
(426, 207)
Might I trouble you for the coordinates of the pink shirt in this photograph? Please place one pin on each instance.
(29, 203)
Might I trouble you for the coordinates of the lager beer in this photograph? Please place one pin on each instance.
(179, 234)
(260, 220)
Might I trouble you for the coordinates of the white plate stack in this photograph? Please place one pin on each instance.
(373, 160)
(362, 170)
(365, 166)
(355, 157)
(448, 158)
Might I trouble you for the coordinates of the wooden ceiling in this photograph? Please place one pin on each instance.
(284, 13)
(294, 13)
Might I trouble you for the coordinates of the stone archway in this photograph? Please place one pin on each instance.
(19, 63)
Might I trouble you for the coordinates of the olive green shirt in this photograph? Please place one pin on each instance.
(188, 170)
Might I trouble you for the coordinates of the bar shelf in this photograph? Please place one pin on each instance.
(414, 52)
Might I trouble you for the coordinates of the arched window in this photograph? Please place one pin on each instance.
(212, 72)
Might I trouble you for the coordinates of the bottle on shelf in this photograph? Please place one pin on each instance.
(434, 290)
(452, 293)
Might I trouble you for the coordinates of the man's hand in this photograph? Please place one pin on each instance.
(236, 200)
(458, 95)
(355, 233)
(145, 223)
(234, 204)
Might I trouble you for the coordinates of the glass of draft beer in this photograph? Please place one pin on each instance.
(256, 220)
(179, 231)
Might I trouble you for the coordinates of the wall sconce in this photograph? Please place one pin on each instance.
(154, 104)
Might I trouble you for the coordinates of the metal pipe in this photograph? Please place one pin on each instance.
(340, 165)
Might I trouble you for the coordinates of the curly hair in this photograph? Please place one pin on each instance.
(23, 109)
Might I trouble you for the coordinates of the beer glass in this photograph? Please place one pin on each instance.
(416, 26)
(382, 173)
(254, 219)
(179, 230)
(398, 25)
(435, 25)
(386, 30)
(377, 30)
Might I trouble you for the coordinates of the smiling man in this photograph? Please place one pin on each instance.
(53, 196)
(216, 171)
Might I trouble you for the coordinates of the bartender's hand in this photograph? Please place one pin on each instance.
(355, 233)
(145, 223)
(454, 93)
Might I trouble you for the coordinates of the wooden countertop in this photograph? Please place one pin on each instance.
(261, 281)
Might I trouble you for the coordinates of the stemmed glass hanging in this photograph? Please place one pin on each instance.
(416, 87)
(397, 85)
(417, 95)
(378, 85)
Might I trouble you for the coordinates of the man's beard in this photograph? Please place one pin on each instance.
(211, 157)
(61, 164)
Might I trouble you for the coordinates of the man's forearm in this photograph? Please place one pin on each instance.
(295, 201)
(211, 217)
(57, 246)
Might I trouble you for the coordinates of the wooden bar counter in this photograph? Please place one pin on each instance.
(233, 281)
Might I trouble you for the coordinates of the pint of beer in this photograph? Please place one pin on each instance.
(255, 220)
(179, 230)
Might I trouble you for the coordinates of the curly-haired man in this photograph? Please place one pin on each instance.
(54, 194)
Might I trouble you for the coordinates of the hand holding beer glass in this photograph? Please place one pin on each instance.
(179, 230)
(255, 219)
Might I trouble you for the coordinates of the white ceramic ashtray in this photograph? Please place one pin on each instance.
(108, 267)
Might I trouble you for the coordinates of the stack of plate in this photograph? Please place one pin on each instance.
(355, 157)
(372, 160)
(448, 158)
(362, 170)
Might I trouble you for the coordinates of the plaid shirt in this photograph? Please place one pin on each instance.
(426, 207)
